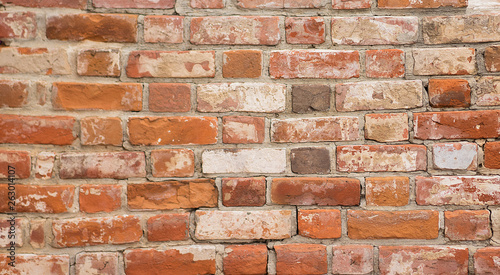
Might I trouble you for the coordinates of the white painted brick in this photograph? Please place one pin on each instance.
(459, 156)
(244, 161)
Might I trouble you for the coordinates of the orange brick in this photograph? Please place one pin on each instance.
(242, 64)
(467, 225)
(244, 191)
(486, 260)
(15, 163)
(245, 259)
(40, 198)
(134, 4)
(453, 93)
(44, 167)
(101, 131)
(169, 97)
(388, 191)
(492, 155)
(301, 259)
(385, 63)
(100, 198)
(98, 62)
(243, 129)
(320, 223)
(425, 4)
(172, 163)
(168, 227)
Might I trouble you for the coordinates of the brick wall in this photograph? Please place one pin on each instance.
(250, 136)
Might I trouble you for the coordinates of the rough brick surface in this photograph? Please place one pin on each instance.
(32, 264)
(40, 199)
(301, 259)
(242, 64)
(320, 223)
(73, 4)
(488, 91)
(14, 93)
(387, 127)
(245, 259)
(105, 263)
(7, 227)
(421, 4)
(172, 163)
(444, 61)
(44, 167)
(310, 160)
(101, 131)
(455, 156)
(57, 130)
(352, 259)
(315, 129)
(308, 98)
(385, 63)
(163, 29)
(467, 225)
(242, 129)
(207, 4)
(100, 198)
(387, 191)
(159, 4)
(99, 63)
(263, 160)
(492, 58)
(244, 191)
(18, 25)
(169, 97)
(485, 260)
(449, 93)
(53, 61)
(350, 4)
(17, 161)
(305, 30)
(168, 227)
(492, 155)
(280, 4)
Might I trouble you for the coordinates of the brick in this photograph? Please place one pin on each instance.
(379, 95)
(56, 130)
(235, 30)
(93, 26)
(314, 64)
(388, 63)
(259, 160)
(305, 30)
(172, 163)
(43, 92)
(18, 25)
(467, 225)
(172, 130)
(134, 4)
(39, 198)
(280, 4)
(169, 97)
(387, 191)
(245, 259)
(207, 4)
(105, 263)
(319, 223)
(488, 91)
(387, 127)
(492, 58)
(421, 4)
(100, 198)
(456, 125)
(182, 64)
(381, 158)
(301, 259)
(241, 97)
(33, 264)
(189, 260)
(315, 191)
(351, 4)
(453, 93)
(172, 194)
(457, 190)
(461, 29)
(20, 61)
(168, 227)
(310, 160)
(14, 94)
(101, 131)
(495, 224)
(485, 260)
(243, 129)
(352, 259)
(244, 191)
(97, 96)
(19, 162)
(97, 62)
(308, 98)
(99, 165)
(242, 64)
(455, 156)
(37, 233)
(72, 4)
(11, 232)
(492, 155)
(243, 225)
(374, 30)
(444, 61)
(315, 129)
(96, 231)
(163, 29)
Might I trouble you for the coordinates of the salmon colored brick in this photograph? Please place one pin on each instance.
(98, 62)
(105, 263)
(245, 259)
(320, 223)
(467, 225)
(315, 129)
(242, 64)
(32, 264)
(387, 191)
(168, 227)
(18, 25)
(11, 231)
(172, 163)
(305, 30)
(72, 4)
(14, 94)
(492, 155)
(207, 4)
(301, 259)
(50, 61)
(40, 198)
(425, 4)
(351, 4)
(56, 130)
(163, 29)
(243, 129)
(42, 92)
(485, 260)
(453, 93)
(15, 164)
(169, 97)
(100, 198)
(387, 127)
(244, 191)
(37, 233)
(101, 131)
(385, 63)
(352, 259)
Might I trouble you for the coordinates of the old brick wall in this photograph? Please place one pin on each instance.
(250, 136)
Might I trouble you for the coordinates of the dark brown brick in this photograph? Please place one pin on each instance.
(310, 98)
(310, 160)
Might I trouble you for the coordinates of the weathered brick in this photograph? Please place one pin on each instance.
(37, 233)
(298, 259)
(21, 60)
(33, 264)
(319, 223)
(57, 130)
(44, 166)
(310, 160)
(387, 191)
(100, 198)
(235, 30)
(172, 163)
(315, 129)
(449, 93)
(387, 127)
(244, 191)
(93, 26)
(457, 125)
(455, 156)
(486, 260)
(14, 93)
(105, 263)
(207, 4)
(19, 162)
(379, 95)
(43, 91)
(492, 155)
(305, 30)
(351, 4)
(420, 4)
(385, 63)
(163, 29)
(135, 4)
(492, 58)
(488, 91)
(352, 259)
(98, 165)
(168, 227)
(171, 64)
(72, 4)
(245, 259)
(172, 194)
(189, 260)
(315, 191)
(314, 64)
(242, 97)
(11, 231)
(495, 224)
(172, 130)
(242, 64)
(467, 225)
(374, 30)
(381, 158)
(444, 61)
(280, 4)
(458, 190)
(308, 98)
(169, 97)
(18, 25)
(259, 160)
(98, 62)
(101, 131)
(243, 129)
(39, 198)
(461, 29)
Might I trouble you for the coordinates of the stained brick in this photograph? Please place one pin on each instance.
(14, 94)
(98, 62)
(352, 259)
(243, 129)
(40, 198)
(17, 161)
(18, 25)
(259, 160)
(245, 259)
(52, 61)
(385, 63)
(492, 58)
(387, 191)
(467, 225)
(207, 4)
(387, 127)
(305, 30)
(32, 264)
(320, 223)
(485, 260)
(298, 259)
(168, 227)
(315, 129)
(100, 198)
(280, 4)
(44, 166)
(163, 29)
(488, 91)
(105, 263)
(444, 61)
(449, 93)
(172, 163)
(244, 191)
(11, 232)
(37, 233)
(101, 131)
(56, 130)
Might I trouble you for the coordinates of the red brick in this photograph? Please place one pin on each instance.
(305, 30)
(243, 129)
(19, 162)
(207, 4)
(98, 165)
(492, 155)
(486, 260)
(100, 198)
(35, 264)
(387, 191)
(93, 26)
(314, 64)
(444, 61)
(244, 191)
(44, 167)
(457, 125)
(18, 25)
(172, 163)
(453, 93)
(169, 97)
(72, 4)
(188, 260)
(315, 191)
(301, 259)
(172, 130)
(245, 259)
(242, 64)
(387, 127)
(467, 225)
(40, 199)
(172, 194)
(168, 227)
(385, 63)
(235, 30)
(163, 29)
(56, 130)
(492, 58)
(315, 129)
(98, 62)
(104, 263)
(37, 233)
(97, 96)
(280, 4)
(351, 4)
(52, 61)
(134, 4)
(11, 232)
(101, 131)
(320, 223)
(423, 260)
(352, 259)
(14, 94)
(425, 4)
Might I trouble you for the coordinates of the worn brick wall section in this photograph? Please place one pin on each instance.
(248, 137)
